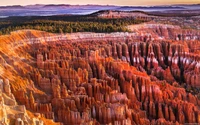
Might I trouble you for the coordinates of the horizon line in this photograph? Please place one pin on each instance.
(101, 4)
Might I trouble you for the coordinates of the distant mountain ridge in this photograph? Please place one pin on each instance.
(54, 5)
(155, 7)
(180, 6)
(12, 7)
(67, 9)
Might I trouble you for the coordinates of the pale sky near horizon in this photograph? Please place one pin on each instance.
(101, 2)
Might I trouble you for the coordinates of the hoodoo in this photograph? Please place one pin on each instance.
(46, 79)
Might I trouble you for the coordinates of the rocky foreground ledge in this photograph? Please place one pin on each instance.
(137, 78)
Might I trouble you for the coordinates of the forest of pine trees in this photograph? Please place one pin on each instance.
(67, 25)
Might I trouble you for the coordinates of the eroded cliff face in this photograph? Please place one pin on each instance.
(95, 79)
(123, 14)
(164, 32)
(11, 113)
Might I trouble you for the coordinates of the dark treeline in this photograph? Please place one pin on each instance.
(66, 24)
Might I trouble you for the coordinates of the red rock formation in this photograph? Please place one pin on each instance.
(106, 82)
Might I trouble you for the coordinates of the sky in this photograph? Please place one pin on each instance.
(101, 2)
